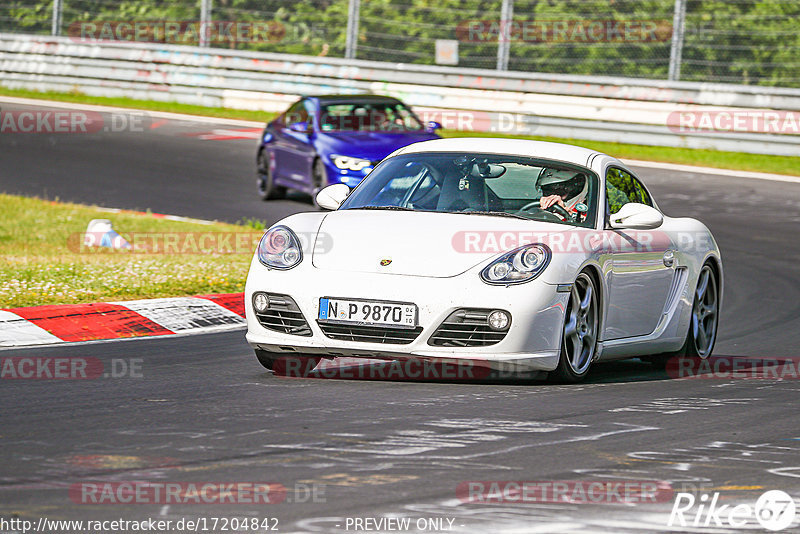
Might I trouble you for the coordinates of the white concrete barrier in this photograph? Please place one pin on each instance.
(596, 108)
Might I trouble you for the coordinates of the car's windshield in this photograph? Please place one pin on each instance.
(480, 184)
(388, 116)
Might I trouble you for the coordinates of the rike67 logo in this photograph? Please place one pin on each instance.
(774, 510)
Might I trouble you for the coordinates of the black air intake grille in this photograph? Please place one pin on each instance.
(283, 315)
(370, 334)
(466, 327)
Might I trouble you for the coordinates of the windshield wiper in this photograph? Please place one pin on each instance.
(392, 208)
(489, 213)
(499, 213)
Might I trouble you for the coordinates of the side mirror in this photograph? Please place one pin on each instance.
(433, 126)
(331, 197)
(300, 127)
(636, 217)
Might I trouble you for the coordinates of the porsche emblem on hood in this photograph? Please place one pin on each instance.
(385, 262)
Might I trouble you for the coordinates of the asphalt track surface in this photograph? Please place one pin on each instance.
(204, 410)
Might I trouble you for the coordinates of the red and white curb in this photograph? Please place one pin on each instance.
(44, 325)
(221, 134)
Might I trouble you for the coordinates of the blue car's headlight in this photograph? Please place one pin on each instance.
(279, 248)
(518, 266)
(350, 164)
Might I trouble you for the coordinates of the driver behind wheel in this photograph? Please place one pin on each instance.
(564, 188)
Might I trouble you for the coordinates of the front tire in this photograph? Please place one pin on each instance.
(267, 189)
(319, 179)
(579, 337)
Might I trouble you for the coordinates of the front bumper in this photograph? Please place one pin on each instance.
(531, 343)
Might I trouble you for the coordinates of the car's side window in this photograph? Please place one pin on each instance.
(621, 188)
(296, 113)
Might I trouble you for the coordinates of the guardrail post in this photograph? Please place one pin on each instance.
(351, 41)
(56, 28)
(504, 38)
(205, 21)
(676, 51)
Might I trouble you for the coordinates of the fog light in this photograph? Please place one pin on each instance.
(260, 302)
(498, 320)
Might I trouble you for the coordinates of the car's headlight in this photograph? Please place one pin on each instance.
(279, 248)
(350, 164)
(518, 266)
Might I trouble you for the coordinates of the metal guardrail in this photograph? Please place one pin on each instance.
(595, 108)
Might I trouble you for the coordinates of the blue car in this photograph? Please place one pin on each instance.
(324, 140)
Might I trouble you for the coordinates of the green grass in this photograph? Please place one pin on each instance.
(42, 260)
(687, 156)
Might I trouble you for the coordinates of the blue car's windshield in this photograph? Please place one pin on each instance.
(368, 117)
(482, 184)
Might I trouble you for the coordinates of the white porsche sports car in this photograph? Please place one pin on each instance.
(508, 254)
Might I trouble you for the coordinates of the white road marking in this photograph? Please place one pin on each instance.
(712, 170)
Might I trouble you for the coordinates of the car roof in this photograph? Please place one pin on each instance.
(498, 145)
(329, 99)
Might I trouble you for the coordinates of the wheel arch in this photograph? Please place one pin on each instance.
(713, 261)
(561, 373)
(716, 265)
(597, 277)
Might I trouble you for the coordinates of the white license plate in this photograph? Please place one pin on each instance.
(368, 312)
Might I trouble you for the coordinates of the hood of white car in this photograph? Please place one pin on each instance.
(436, 245)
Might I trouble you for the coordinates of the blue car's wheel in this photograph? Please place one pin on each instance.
(319, 179)
(267, 190)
